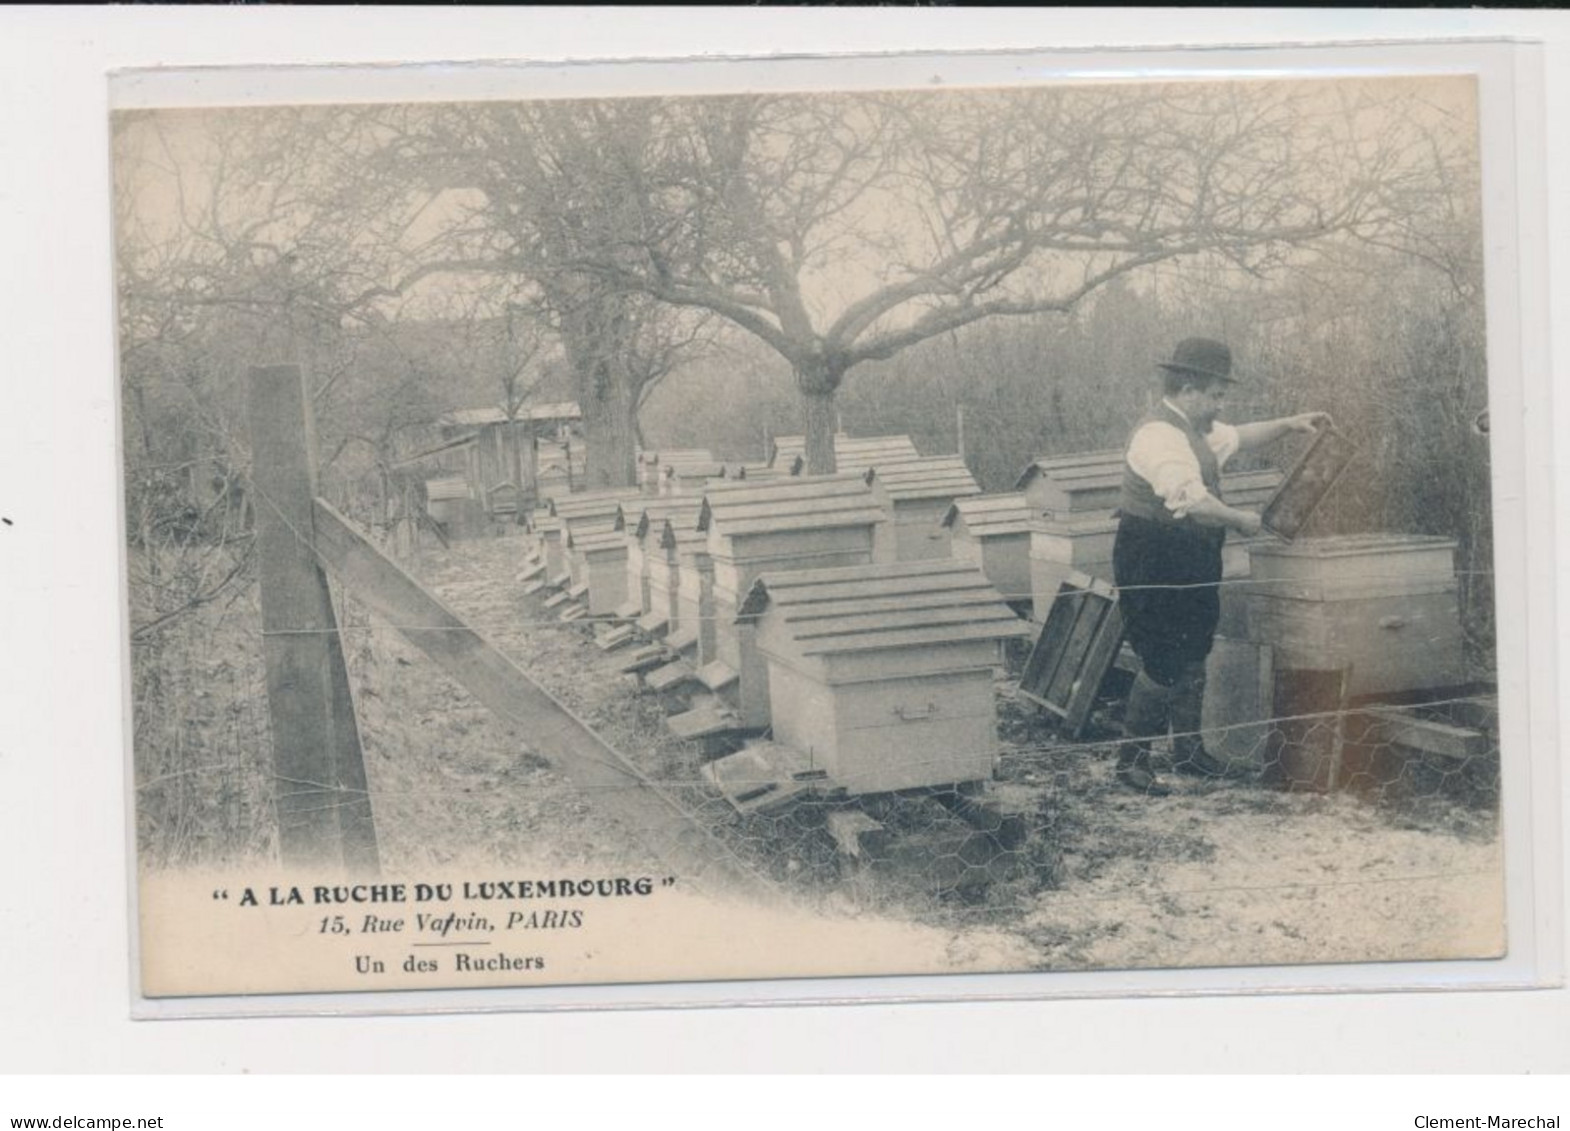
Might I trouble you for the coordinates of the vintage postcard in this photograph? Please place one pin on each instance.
(781, 533)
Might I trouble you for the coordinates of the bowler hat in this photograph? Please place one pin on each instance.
(1205, 357)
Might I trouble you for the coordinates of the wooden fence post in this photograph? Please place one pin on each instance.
(324, 809)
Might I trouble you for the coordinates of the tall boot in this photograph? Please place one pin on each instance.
(1189, 755)
(1144, 718)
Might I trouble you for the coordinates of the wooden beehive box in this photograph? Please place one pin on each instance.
(800, 523)
(597, 557)
(690, 478)
(1073, 484)
(1062, 545)
(882, 674)
(1385, 604)
(690, 575)
(919, 493)
(642, 521)
(993, 532)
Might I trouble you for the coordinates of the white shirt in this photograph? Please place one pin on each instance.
(1160, 455)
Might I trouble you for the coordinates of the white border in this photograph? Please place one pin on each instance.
(63, 935)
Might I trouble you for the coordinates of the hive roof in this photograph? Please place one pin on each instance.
(804, 502)
(929, 477)
(988, 516)
(870, 608)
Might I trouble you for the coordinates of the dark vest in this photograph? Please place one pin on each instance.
(1140, 499)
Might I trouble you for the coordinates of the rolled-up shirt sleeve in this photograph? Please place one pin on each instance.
(1160, 455)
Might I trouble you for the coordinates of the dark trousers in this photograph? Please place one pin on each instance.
(1168, 578)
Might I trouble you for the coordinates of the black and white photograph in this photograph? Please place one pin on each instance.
(1029, 527)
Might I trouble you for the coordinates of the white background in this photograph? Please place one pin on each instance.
(63, 925)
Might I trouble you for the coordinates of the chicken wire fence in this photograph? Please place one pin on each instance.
(448, 780)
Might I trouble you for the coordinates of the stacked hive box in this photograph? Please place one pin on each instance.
(919, 493)
(882, 674)
(800, 523)
(642, 523)
(1074, 497)
(597, 557)
(993, 532)
(1384, 605)
(581, 514)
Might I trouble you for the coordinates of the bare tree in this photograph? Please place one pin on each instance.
(843, 229)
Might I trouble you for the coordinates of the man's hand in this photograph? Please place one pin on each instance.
(1308, 421)
(1248, 524)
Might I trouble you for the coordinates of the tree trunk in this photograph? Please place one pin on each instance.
(609, 432)
(595, 333)
(817, 387)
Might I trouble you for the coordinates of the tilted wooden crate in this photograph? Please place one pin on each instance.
(882, 674)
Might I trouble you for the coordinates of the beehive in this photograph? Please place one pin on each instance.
(993, 532)
(642, 521)
(1073, 484)
(1385, 604)
(799, 523)
(548, 529)
(597, 557)
(583, 513)
(690, 478)
(919, 493)
(652, 465)
(851, 453)
(692, 572)
(1065, 544)
(882, 674)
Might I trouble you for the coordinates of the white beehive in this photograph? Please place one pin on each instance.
(798, 523)
(993, 532)
(919, 493)
(881, 675)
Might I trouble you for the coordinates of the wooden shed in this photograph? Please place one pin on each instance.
(800, 523)
(1384, 605)
(919, 493)
(881, 675)
(993, 532)
(851, 453)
